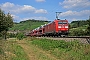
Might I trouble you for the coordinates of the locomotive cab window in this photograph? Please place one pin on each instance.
(59, 22)
(64, 22)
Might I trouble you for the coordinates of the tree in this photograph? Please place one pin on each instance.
(2, 15)
(6, 22)
(88, 29)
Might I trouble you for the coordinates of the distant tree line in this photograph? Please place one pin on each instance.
(33, 20)
(75, 24)
(88, 29)
(80, 28)
(6, 22)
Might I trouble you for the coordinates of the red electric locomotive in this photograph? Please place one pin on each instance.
(57, 28)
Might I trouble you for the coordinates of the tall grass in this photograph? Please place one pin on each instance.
(51, 44)
(64, 50)
(19, 52)
(10, 50)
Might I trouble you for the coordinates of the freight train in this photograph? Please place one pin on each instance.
(56, 28)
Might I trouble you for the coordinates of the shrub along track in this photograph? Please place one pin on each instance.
(35, 53)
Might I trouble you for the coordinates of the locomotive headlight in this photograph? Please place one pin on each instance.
(66, 26)
(59, 26)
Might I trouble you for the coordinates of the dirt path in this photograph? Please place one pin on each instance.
(28, 50)
(35, 53)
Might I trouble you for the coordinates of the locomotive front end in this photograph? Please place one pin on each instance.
(62, 27)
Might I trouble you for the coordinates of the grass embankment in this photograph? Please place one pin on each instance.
(34, 52)
(43, 49)
(64, 50)
(10, 50)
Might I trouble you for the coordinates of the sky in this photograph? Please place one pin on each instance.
(22, 10)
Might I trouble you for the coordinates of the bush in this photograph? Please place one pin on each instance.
(11, 35)
(51, 44)
(77, 32)
(20, 36)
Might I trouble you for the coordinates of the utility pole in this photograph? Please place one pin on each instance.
(57, 14)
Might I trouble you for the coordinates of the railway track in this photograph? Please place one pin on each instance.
(82, 39)
(87, 38)
(77, 37)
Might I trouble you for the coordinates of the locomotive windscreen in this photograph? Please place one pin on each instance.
(62, 22)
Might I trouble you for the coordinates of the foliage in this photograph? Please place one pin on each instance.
(79, 23)
(20, 36)
(1, 51)
(28, 25)
(79, 28)
(80, 31)
(12, 35)
(10, 50)
(88, 28)
(6, 21)
(64, 50)
(50, 44)
(19, 52)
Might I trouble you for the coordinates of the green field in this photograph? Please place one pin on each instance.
(64, 50)
(43, 49)
(10, 50)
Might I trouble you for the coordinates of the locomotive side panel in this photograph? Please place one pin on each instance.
(50, 28)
